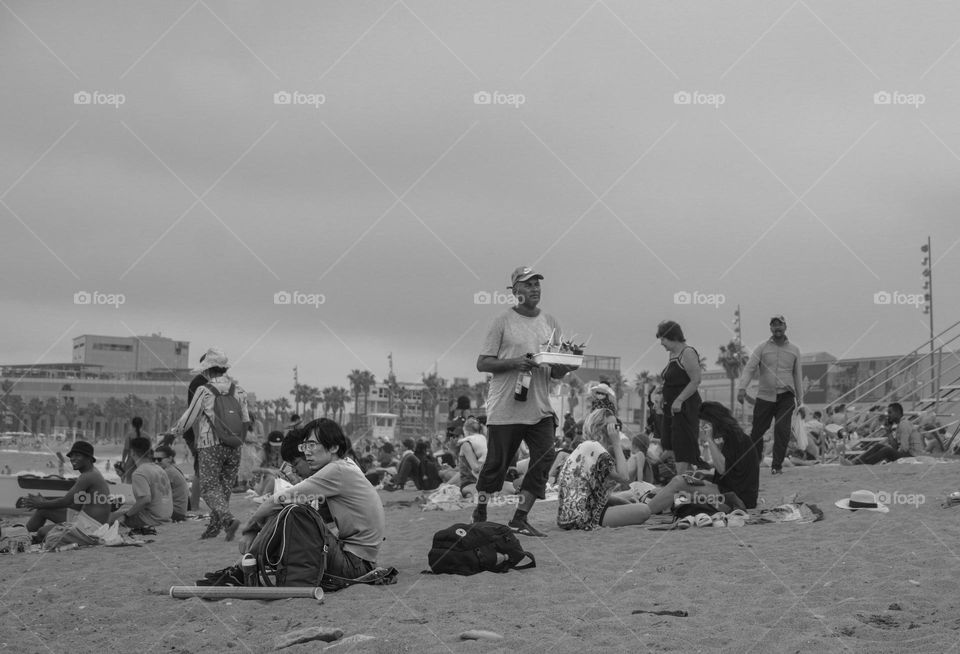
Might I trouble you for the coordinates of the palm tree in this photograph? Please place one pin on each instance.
(356, 384)
(299, 393)
(51, 408)
(340, 397)
(282, 405)
(70, 410)
(733, 357)
(34, 410)
(367, 382)
(114, 411)
(90, 414)
(430, 396)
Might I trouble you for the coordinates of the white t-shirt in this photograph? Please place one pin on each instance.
(511, 336)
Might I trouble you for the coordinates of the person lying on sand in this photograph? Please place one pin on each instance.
(90, 495)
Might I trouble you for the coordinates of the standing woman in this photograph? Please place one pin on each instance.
(681, 401)
(126, 466)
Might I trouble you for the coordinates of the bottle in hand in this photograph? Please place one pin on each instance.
(523, 384)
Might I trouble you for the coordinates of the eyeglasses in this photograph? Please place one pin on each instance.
(308, 446)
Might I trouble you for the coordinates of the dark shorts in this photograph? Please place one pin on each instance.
(503, 442)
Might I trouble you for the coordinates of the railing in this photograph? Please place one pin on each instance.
(925, 361)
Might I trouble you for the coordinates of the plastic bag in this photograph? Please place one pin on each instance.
(799, 431)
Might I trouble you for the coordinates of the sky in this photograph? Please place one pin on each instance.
(186, 165)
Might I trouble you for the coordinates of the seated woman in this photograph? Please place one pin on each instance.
(590, 475)
(270, 463)
(355, 508)
(640, 464)
(473, 452)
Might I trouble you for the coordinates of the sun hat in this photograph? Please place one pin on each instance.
(522, 274)
(862, 499)
(82, 447)
(212, 358)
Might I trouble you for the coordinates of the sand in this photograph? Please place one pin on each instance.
(854, 582)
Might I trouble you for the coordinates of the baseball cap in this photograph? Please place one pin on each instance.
(778, 319)
(522, 274)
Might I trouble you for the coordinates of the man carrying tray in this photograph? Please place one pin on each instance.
(518, 403)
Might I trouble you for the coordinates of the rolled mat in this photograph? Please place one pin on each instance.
(245, 592)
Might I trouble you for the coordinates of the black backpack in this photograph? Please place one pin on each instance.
(291, 549)
(468, 549)
(227, 420)
(429, 473)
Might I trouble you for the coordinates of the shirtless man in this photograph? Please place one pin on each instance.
(90, 495)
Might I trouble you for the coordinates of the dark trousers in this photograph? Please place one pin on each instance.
(876, 453)
(781, 412)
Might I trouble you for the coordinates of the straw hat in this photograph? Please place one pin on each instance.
(862, 500)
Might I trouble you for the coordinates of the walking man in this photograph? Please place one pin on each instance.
(518, 403)
(776, 364)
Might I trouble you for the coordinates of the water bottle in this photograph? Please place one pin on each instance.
(523, 384)
(249, 566)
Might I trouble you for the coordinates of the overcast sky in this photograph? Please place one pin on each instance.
(629, 152)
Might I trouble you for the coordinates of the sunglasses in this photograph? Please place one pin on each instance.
(308, 446)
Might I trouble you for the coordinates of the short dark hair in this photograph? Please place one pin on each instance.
(140, 445)
(409, 443)
(670, 330)
(290, 446)
(329, 434)
(164, 450)
(387, 447)
(421, 448)
(896, 406)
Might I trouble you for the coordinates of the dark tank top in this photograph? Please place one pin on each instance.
(675, 378)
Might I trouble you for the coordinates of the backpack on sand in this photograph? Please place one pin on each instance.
(429, 473)
(227, 420)
(293, 549)
(468, 549)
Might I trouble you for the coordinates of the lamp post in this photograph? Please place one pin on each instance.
(928, 309)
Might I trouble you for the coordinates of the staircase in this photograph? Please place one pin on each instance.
(934, 377)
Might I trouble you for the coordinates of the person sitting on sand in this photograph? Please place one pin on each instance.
(640, 464)
(153, 497)
(408, 468)
(355, 507)
(89, 495)
(590, 475)
(902, 440)
(472, 454)
(164, 456)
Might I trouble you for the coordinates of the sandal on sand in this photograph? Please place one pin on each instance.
(703, 520)
(719, 520)
(737, 518)
(953, 499)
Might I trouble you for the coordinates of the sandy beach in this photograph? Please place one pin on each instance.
(860, 582)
